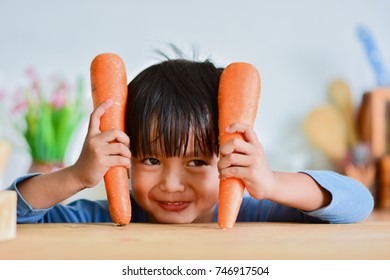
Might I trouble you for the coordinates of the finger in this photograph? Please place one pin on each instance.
(236, 145)
(233, 172)
(234, 159)
(115, 135)
(117, 149)
(246, 130)
(94, 120)
(117, 161)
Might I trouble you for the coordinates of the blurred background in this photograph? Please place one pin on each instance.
(308, 53)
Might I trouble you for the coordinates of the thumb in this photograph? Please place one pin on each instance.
(94, 121)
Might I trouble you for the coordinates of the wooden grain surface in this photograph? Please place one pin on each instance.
(367, 240)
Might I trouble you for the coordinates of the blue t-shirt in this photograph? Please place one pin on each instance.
(351, 202)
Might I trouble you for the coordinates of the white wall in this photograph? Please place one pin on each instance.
(298, 46)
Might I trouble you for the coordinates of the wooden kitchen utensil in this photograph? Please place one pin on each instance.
(383, 192)
(373, 121)
(340, 96)
(326, 130)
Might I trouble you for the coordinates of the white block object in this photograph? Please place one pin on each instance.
(5, 152)
(7, 215)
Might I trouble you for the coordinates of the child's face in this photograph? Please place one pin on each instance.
(176, 189)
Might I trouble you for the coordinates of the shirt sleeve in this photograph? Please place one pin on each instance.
(351, 202)
(80, 211)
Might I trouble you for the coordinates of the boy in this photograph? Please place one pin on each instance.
(175, 167)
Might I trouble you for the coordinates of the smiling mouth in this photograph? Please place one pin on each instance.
(174, 206)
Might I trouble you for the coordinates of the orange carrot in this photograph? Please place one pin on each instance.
(238, 97)
(109, 81)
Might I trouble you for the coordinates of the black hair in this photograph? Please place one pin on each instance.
(168, 101)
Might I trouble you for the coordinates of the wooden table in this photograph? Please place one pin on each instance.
(272, 241)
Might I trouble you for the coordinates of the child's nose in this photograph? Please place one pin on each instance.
(172, 182)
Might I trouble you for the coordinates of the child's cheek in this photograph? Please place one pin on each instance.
(139, 195)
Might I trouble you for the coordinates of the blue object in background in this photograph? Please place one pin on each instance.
(373, 55)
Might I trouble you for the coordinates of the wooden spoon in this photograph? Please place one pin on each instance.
(325, 129)
(340, 96)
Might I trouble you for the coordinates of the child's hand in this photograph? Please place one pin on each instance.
(246, 160)
(101, 150)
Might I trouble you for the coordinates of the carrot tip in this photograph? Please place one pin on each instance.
(225, 227)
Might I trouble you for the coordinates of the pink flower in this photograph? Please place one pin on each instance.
(20, 106)
(20, 103)
(58, 99)
(64, 86)
(36, 87)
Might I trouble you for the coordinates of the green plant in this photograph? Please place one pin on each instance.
(48, 119)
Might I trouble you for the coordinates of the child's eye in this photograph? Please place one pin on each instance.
(151, 161)
(196, 162)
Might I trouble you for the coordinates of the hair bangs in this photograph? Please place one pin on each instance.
(169, 110)
(170, 132)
